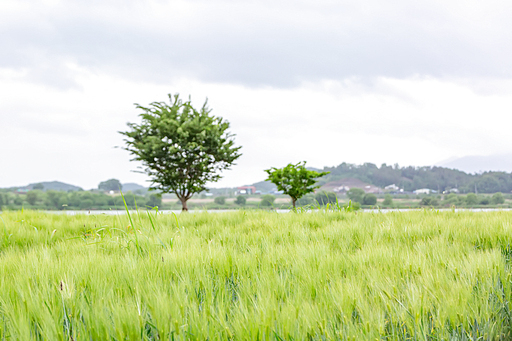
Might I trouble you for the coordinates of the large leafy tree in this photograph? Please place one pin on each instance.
(294, 180)
(182, 148)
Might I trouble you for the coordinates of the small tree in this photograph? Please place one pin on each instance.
(498, 198)
(484, 201)
(219, 200)
(388, 200)
(294, 180)
(53, 199)
(240, 200)
(32, 197)
(356, 195)
(308, 199)
(324, 198)
(110, 185)
(181, 148)
(429, 201)
(369, 199)
(267, 200)
(471, 199)
(154, 200)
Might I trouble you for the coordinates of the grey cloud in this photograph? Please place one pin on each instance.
(260, 51)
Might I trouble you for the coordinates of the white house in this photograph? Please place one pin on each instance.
(422, 191)
(391, 187)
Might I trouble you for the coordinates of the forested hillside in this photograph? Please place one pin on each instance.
(411, 178)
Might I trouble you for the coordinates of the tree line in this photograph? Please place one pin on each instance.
(411, 178)
(77, 200)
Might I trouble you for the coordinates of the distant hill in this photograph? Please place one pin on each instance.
(264, 186)
(477, 164)
(54, 186)
(370, 177)
(346, 183)
(131, 186)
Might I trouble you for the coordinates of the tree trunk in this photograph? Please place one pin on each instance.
(184, 204)
(293, 202)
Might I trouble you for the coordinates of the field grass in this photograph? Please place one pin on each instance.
(253, 275)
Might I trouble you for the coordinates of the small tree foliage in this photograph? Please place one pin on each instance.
(240, 200)
(429, 201)
(484, 201)
(32, 197)
(38, 186)
(324, 198)
(294, 180)
(308, 199)
(498, 198)
(110, 185)
(471, 199)
(369, 199)
(181, 148)
(267, 200)
(388, 200)
(155, 200)
(220, 200)
(356, 195)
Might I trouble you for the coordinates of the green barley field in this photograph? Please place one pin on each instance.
(254, 275)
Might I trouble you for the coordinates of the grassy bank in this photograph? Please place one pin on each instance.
(256, 275)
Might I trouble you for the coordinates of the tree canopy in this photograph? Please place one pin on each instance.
(181, 148)
(294, 180)
(110, 185)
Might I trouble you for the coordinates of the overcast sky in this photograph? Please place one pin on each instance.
(408, 82)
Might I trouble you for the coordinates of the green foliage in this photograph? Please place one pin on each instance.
(356, 194)
(154, 200)
(498, 198)
(451, 199)
(471, 199)
(352, 206)
(429, 201)
(411, 178)
(388, 200)
(294, 180)
(33, 197)
(86, 204)
(240, 200)
(308, 199)
(267, 200)
(110, 185)
(324, 197)
(220, 200)
(484, 201)
(53, 199)
(369, 199)
(181, 148)
(58, 200)
(18, 200)
(38, 187)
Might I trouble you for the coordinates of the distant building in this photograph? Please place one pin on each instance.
(423, 191)
(245, 190)
(392, 187)
(341, 189)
